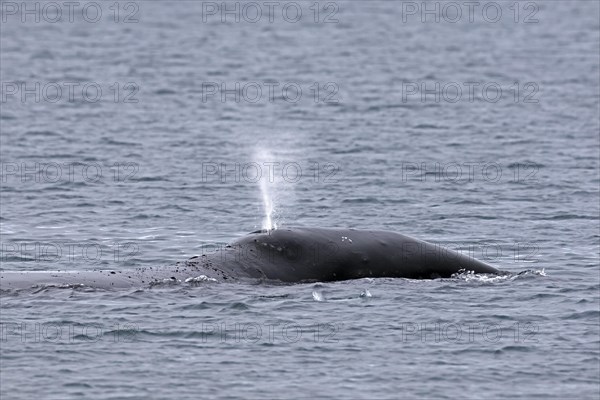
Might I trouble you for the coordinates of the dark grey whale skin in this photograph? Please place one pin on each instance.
(286, 255)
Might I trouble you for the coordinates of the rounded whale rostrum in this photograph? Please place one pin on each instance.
(287, 255)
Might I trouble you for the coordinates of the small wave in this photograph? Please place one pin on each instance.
(516, 348)
(62, 286)
(470, 276)
(383, 107)
(172, 281)
(152, 179)
(354, 150)
(538, 272)
(525, 164)
(361, 200)
(42, 133)
(200, 279)
(428, 126)
(82, 385)
(111, 141)
(570, 216)
(318, 295)
(585, 315)
(164, 91)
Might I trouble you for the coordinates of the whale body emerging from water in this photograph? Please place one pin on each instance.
(287, 255)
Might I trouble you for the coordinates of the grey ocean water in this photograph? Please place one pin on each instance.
(127, 155)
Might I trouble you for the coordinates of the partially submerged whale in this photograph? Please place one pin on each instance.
(282, 255)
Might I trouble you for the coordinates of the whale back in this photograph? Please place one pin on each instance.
(321, 254)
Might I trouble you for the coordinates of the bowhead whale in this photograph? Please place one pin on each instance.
(282, 255)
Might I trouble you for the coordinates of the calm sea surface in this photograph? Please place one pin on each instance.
(137, 134)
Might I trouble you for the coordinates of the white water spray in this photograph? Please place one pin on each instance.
(266, 182)
(268, 205)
